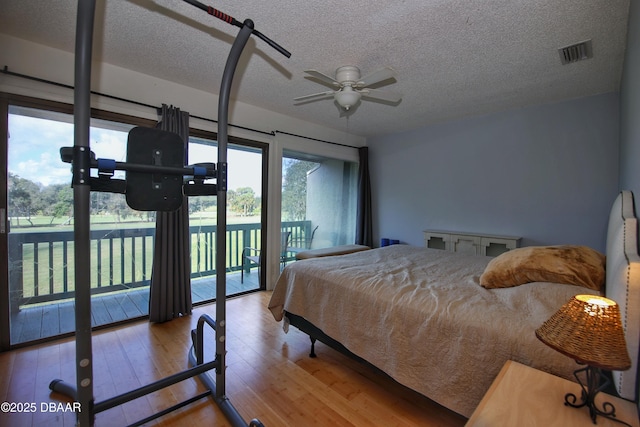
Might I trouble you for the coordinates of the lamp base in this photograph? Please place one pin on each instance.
(595, 383)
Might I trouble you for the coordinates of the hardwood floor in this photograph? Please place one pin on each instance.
(269, 377)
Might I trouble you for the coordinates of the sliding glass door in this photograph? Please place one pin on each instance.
(245, 178)
(41, 239)
(39, 257)
(319, 196)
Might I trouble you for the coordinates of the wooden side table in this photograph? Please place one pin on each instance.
(523, 396)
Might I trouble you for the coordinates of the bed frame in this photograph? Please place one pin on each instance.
(316, 334)
(622, 285)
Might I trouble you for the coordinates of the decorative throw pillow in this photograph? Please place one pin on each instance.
(573, 265)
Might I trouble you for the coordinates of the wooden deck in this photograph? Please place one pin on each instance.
(41, 321)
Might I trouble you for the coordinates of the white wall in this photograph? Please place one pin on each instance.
(547, 173)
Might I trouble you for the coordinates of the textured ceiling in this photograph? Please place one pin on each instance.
(454, 58)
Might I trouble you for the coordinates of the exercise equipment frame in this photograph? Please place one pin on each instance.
(81, 166)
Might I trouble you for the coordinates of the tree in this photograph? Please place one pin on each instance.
(294, 189)
(118, 206)
(242, 201)
(57, 200)
(23, 198)
(201, 203)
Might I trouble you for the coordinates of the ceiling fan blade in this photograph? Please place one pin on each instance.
(383, 95)
(377, 76)
(323, 77)
(315, 95)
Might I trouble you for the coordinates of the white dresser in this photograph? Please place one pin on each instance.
(471, 243)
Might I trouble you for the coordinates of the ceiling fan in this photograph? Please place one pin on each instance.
(350, 86)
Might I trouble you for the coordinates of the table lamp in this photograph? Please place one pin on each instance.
(588, 329)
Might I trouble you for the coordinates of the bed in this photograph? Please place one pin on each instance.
(421, 315)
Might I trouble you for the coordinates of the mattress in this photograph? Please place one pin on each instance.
(420, 315)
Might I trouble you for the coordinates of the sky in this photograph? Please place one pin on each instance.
(34, 152)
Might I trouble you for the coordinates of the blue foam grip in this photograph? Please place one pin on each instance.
(199, 172)
(108, 165)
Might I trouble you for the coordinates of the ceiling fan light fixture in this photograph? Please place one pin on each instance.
(351, 88)
(347, 97)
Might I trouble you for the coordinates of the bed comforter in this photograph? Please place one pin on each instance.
(421, 316)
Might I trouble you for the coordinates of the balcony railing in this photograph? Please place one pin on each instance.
(41, 264)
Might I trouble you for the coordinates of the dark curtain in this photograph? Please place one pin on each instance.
(170, 293)
(364, 226)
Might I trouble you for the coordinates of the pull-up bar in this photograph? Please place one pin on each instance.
(231, 20)
(82, 162)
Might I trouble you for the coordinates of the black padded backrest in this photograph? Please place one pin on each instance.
(154, 191)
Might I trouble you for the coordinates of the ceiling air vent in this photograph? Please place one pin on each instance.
(576, 52)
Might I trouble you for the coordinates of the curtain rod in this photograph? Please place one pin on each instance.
(5, 70)
(130, 101)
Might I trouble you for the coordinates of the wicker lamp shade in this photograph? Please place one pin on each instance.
(588, 329)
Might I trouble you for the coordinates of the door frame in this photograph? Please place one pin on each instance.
(7, 99)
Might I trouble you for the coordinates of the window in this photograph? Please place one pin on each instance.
(321, 194)
(244, 216)
(40, 241)
(41, 238)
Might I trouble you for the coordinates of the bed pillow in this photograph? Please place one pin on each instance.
(573, 265)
